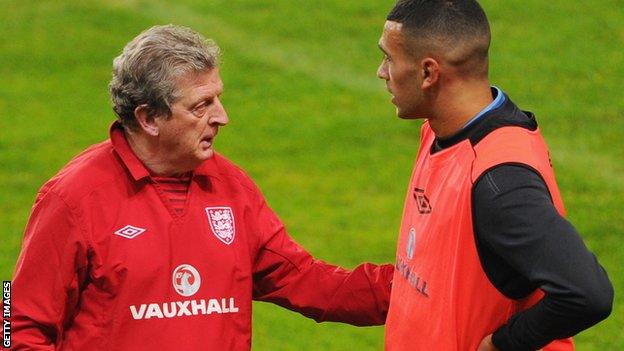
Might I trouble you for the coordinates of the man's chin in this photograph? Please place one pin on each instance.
(407, 114)
(202, 156)
(207, 154)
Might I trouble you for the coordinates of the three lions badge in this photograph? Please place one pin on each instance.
(221, 221)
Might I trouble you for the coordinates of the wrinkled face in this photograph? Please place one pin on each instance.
(187, 137)
(401, 71)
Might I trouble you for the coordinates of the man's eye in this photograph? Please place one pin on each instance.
(200, 110)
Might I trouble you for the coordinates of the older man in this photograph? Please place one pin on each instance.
(152, 241)
(485, 258)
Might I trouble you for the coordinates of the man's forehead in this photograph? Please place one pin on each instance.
(392, 26)
(196, 86)
(209, 79)
(392, 35)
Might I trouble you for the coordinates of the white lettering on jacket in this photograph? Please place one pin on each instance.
(181, 308)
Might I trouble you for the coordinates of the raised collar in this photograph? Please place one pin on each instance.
(506, 113)
(138, 170)
(499, 99)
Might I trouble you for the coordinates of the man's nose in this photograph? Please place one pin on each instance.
(382, 71)
(220, 117)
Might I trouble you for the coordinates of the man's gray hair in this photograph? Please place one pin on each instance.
(148, 69)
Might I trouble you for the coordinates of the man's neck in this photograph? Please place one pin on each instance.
(457, 105)
(150, 156)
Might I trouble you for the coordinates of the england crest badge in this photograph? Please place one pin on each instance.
(221, 221)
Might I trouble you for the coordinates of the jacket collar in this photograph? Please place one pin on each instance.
(137, 169)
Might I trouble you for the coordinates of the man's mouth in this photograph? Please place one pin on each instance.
(207, 141)
(392, 97)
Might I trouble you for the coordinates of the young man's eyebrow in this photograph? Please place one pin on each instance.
(382, 49)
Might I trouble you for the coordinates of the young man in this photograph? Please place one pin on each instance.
(485, 258)
(152, 241)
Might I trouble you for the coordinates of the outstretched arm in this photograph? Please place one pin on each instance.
(285, 274)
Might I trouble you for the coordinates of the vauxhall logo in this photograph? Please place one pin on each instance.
(186, 282)
(411, 242)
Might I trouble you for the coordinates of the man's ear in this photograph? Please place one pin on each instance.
(146, 122)
(430, 72)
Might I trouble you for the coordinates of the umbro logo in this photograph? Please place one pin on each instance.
(422, 201)
(130, 232)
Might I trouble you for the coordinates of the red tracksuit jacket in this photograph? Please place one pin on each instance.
(107, 264)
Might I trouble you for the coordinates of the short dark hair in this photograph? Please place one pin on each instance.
(451, 23)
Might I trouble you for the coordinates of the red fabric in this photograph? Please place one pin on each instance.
(79, 286)
(175, 190)
(441, 298)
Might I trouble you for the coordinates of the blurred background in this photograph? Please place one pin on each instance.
(312, 124)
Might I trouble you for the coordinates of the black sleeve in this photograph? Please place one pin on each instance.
(516, 222)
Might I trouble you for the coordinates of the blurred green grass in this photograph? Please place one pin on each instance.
(312, 124)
